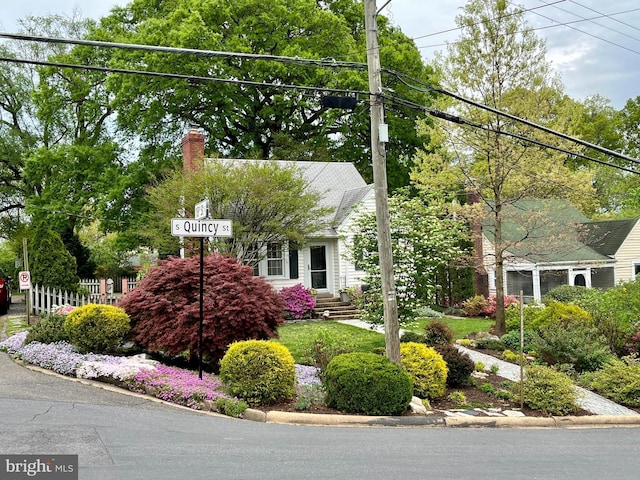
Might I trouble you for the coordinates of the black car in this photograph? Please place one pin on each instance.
(5, 293)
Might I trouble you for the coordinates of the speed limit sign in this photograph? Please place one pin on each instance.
(25, 280)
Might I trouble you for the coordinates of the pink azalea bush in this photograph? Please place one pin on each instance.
(299, 303)
(478, 305)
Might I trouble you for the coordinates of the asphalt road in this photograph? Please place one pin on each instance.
(119, 436)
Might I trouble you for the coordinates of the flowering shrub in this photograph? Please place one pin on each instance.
(490, 308)
(298, 302)
(13, 343)
(633, 345)
(64, 310)
(179, 386)
(478, 305)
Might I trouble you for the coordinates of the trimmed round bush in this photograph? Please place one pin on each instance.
(549, 391)
(96, 328)
(427, 369)
(259, 371)
(367, 383)
(459, 365)
(438, 333)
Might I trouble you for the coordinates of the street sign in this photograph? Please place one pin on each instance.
(189, 227)
(24, 279)
(201, 211)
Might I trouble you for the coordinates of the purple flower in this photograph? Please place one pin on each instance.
(307, 375)
(176, 385)
(13, 343)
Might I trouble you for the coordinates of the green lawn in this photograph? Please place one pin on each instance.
(297, 336)
(462, 326)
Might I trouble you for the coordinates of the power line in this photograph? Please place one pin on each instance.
(430, 88)
(555, 24)
(176, 76)
(207, 53)
(478, 23)
(322, 63)
(461, 121)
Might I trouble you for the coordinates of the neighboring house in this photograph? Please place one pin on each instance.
(550, 243)
(320, 264)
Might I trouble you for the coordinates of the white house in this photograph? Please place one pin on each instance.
(321, 263)
(551, 243)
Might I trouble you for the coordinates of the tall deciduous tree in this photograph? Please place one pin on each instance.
(245, 121)
(266, 202)
(499, 62)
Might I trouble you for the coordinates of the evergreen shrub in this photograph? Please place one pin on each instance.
(511, 340)
(427, 368)
(548, 390)
(49, 329)
(412, 337)
(618, 380)
(367, 383)
(438, 333)
(459, 365)
(260, 372)
(96, 328)
(579, 345)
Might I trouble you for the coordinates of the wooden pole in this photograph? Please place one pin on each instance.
(379, 136)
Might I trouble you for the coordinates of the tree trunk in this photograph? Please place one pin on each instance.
(500, 325)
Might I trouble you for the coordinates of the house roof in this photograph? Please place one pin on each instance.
(545, 231)
(606, 237)
(339, 183)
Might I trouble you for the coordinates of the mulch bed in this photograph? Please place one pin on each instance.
(475, 398)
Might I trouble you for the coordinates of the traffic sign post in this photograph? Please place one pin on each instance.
(24, 279)
(201, 227)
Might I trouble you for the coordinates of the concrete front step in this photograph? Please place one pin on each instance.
(336, 309)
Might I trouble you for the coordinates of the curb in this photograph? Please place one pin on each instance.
(587, 421)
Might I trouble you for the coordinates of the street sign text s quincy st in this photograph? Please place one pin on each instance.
(188, 227)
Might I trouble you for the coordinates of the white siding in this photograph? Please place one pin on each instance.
(628, 255)
(347, 274)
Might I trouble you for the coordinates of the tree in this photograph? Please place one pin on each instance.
(243, 121)
(498, 62)
(50, 263)
(424, 238)
(164, 308)
(266, 202)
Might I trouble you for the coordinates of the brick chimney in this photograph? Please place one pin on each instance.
(192, 151)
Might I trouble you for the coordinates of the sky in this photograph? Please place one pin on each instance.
(593, 45)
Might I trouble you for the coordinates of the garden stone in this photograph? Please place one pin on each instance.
(417, 406)
(513, 413)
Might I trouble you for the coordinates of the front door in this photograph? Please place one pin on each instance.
(318, 267)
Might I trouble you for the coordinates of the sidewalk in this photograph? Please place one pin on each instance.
(589, 401)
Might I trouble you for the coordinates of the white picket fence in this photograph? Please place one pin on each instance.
(46, 299)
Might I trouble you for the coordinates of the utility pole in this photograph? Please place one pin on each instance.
(379, 136)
